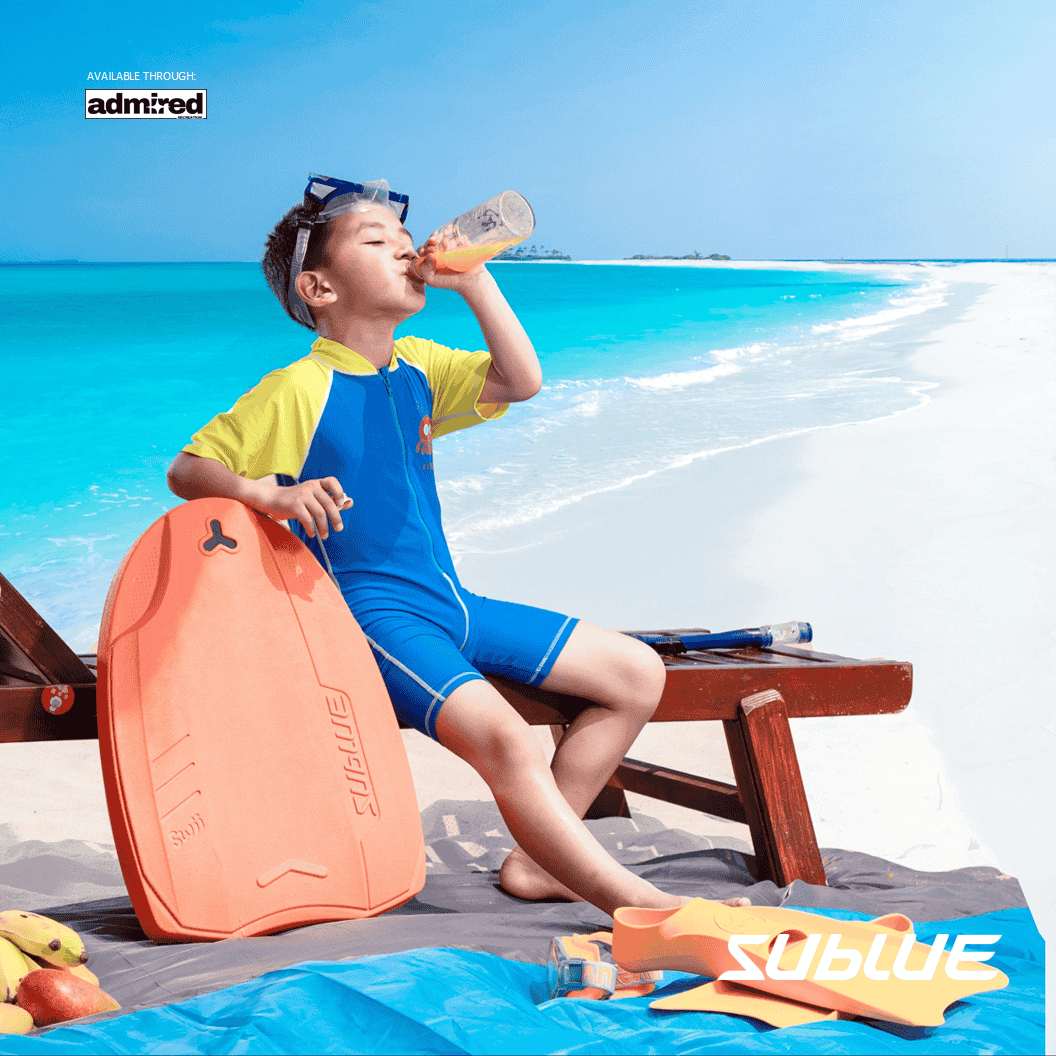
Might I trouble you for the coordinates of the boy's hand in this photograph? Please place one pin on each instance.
(317, 504)
(514, 373)
(439, 277)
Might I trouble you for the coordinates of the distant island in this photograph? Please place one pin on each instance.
(532, 253)
(23, 263)
(687, 256)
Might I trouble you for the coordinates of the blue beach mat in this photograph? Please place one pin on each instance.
(455, 1001)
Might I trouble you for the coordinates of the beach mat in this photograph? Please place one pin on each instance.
(461, 905)
(454, 1001)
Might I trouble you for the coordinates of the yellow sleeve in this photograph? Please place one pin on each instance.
(456, 378)
(270, 429)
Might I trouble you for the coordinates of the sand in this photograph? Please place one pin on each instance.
(926, 536)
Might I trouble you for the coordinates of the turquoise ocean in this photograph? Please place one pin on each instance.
(108, 369)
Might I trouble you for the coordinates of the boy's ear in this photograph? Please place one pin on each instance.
(314, 289)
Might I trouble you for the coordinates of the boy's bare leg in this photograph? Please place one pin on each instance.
(481, 727)
(626, 679)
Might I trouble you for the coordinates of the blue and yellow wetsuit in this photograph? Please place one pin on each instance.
(334, 414)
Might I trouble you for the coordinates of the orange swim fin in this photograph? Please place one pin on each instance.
(737, 1000)
(872, 969)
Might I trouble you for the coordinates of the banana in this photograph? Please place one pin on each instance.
(14, 1020)
(85, 973)
(80, 970)
(14, 967)
(43, 937)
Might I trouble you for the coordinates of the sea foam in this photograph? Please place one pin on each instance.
(647, 369)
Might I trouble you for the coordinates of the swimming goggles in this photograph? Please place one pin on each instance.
(583, 966)
(336, 197)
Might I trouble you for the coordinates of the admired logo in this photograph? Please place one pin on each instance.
(170, 103)
(354, 762)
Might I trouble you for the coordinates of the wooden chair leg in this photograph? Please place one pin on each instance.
(771, 788)
(610, 802)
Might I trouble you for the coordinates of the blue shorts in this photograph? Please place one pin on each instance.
(422, 664)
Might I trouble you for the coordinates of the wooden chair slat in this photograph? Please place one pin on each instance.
(23, 718)
(674, 786)
(20, 674)
(26, 628)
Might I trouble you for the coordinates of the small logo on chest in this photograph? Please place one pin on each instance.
(425, 436)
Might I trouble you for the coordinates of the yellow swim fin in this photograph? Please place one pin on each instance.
(872, 969)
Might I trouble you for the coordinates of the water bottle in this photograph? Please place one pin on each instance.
(482, 232)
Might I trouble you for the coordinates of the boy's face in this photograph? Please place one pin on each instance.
(367, 263)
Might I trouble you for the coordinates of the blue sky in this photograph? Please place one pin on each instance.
(761, 130)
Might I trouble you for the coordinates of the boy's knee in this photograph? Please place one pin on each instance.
(513, 752)
(643, 676)
(494, 740)
(612, 669)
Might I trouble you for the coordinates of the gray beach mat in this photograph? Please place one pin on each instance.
(461, 904)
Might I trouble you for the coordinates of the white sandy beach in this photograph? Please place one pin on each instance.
(925, 537)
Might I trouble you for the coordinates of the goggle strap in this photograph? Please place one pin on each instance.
(297, 306)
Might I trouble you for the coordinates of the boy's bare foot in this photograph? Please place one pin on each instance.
(738, 902)
(523, 878)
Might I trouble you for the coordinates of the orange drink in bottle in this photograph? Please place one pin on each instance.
(482, 232)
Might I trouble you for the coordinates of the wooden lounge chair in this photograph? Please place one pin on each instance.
(754, 692)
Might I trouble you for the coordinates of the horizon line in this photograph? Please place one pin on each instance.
(53, 262)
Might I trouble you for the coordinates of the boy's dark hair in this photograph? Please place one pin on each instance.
(278, 251)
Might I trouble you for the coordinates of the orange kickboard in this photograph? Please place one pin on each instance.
(254, 770)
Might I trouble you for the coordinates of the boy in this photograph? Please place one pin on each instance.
(358, 415)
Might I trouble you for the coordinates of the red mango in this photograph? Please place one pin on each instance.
(54, 997)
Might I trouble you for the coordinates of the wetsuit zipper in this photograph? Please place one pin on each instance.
(383, 371)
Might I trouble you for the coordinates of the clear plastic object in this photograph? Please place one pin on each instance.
(745, 638)
(787, 633)
(482, 232)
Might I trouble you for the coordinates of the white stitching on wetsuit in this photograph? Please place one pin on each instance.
(405, 670)
(460, 601)
(535, 673)
(438, 694)
(429, 720)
